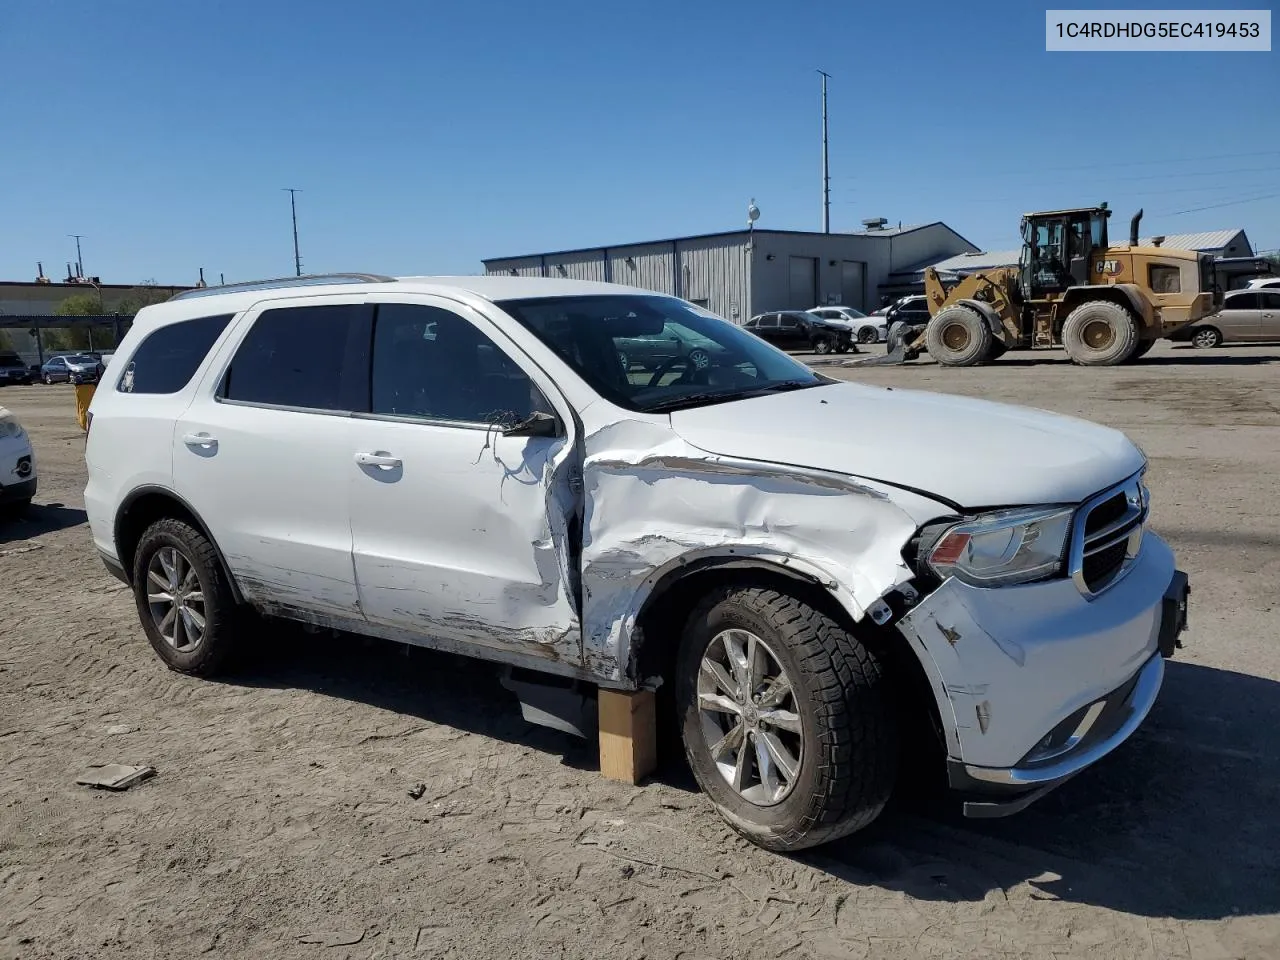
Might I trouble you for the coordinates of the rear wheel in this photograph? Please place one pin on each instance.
(785, 718)
(1100, 334)
(183, 598)
(1207, 338)
(868, 335)
(958, 337)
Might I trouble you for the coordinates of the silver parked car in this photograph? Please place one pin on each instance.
(1247, 316)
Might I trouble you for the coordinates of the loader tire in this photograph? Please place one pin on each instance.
(958, 337)
(1100, 334)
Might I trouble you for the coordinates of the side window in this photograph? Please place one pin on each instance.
(167, 359)
(1162, 278)
(769, 322)
(788, 322)
(432, 363)
(1244, 301)
(1270, 301)
(298, 357)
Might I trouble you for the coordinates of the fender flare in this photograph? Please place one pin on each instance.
(155, 490)
(662, 579)
(1130, 293)
(992, 318)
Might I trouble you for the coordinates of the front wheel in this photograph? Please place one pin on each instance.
(868, 335)
(822, 345)
(958, 337)
(785, 718)
(183, 598)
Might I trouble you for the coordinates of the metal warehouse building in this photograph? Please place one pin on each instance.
(741, 273)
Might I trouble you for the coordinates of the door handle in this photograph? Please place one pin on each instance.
(200, 440)
(382, 461)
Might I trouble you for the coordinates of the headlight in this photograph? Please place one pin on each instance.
(9, 426)
(1008, 546)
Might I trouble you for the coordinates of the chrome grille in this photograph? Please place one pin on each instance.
(1107, 535)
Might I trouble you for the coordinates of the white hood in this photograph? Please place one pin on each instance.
(973, 453)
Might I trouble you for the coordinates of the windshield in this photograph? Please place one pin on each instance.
(650, 353)
(80, 358)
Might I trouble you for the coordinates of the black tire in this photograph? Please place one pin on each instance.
(699, 359)
(958, 337)
(217, 643)
(868, 335)
(847, 765)
(1206, 338)
(1141, 350)
(14, 509)
(48, 380)
(1100, 334)
(822, 345)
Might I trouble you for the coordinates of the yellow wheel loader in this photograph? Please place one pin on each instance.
(1106, 305)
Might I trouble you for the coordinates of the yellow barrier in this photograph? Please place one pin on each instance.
(84, 393)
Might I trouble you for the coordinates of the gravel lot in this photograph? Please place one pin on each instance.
(280, 824)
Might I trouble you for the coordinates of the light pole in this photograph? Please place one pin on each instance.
(293, 207)
(826, 178)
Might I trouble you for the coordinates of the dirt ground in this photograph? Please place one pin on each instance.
(281, 826)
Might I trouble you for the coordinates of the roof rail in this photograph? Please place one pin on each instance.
(284, 283)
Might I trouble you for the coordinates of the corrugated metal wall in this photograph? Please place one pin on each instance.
(523, 267)
(646, 265)
(585, 265)
(714, 271)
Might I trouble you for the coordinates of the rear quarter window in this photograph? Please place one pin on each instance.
(168, 358)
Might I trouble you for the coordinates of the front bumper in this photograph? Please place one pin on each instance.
(1082, 739)
(1036, 683)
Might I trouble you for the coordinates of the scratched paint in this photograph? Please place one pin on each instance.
(654, 502)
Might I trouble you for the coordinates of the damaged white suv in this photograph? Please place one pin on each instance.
(465, 463)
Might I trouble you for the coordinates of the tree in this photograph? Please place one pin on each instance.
(144, 294)
(80, 305)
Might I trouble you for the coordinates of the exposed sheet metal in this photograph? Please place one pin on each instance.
(655, 502)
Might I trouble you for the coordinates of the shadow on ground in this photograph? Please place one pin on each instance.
(39, 519)
(1180, 822)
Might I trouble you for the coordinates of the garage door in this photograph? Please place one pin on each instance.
(803, 291)
(852, 286)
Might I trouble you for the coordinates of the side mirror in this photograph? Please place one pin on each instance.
(537, 424)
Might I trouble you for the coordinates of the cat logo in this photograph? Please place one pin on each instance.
(1109, 268)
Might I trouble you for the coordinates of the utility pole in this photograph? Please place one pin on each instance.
(293, 206)
(79, 260)
(826, 170)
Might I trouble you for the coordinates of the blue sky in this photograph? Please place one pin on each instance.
(425, 136)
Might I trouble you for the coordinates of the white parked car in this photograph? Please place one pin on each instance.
(464, 463)
(17, 465)
(865, 329)
(1264, 283)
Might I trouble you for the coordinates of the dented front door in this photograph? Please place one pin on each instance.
(451, 529)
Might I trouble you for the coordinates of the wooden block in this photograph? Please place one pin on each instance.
(628, 735)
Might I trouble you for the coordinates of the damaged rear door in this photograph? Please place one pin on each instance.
(458, 529)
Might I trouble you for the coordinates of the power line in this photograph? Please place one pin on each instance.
(1215, 206)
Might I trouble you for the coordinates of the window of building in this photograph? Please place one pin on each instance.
(1164, 279)
(432, 363)
(168, 358)
(300, 357)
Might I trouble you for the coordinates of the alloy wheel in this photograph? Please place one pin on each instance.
(176, 599)
(748, 717)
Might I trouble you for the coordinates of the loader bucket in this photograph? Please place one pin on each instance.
(897, 350)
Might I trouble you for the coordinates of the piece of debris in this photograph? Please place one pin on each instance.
(341, 938)
(28, 546)
(114, 776)
(120, 728)
(417, 790)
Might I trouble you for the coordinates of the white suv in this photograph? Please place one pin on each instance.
(464, 463)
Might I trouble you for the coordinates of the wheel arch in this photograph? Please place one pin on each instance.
(986, 312)
(143, 507)
(1125, 295)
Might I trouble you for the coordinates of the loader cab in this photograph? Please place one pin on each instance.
(1057, 248)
